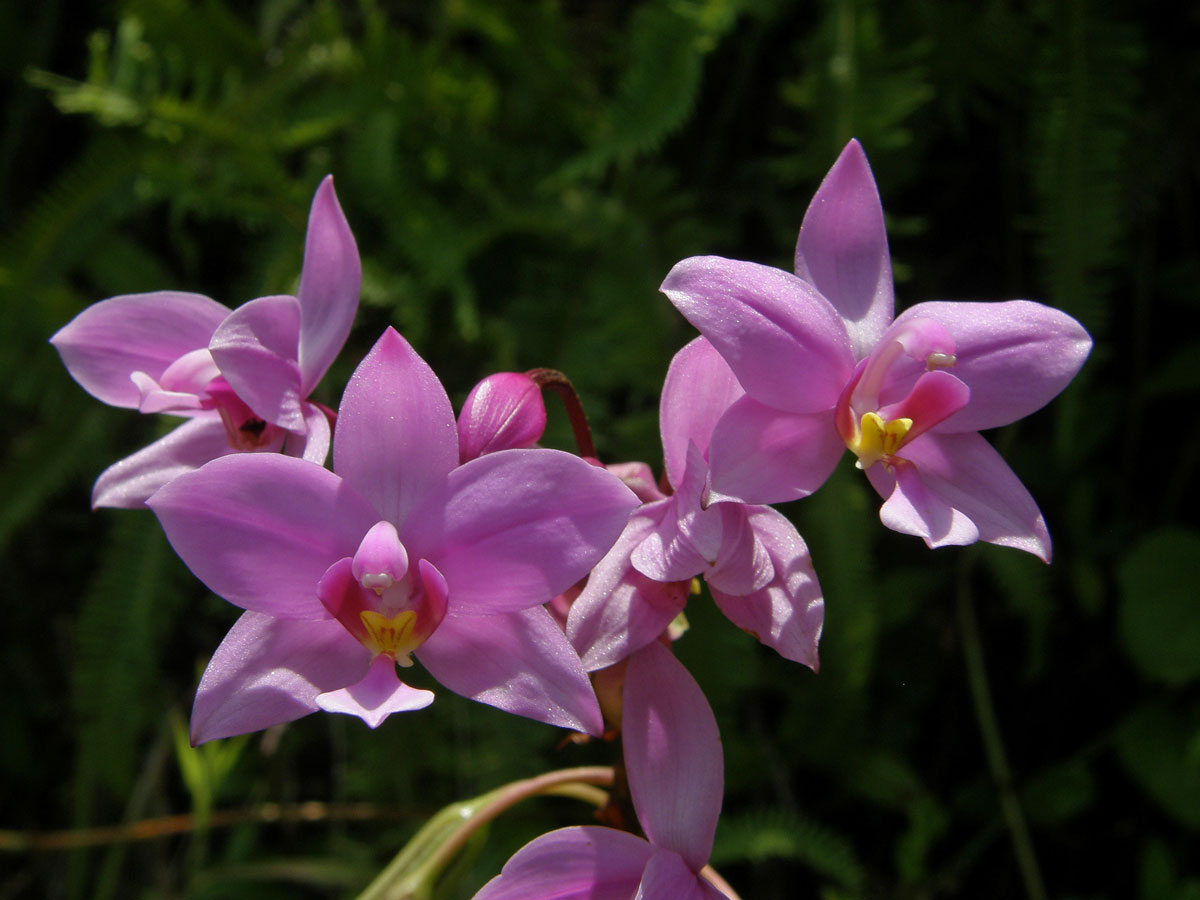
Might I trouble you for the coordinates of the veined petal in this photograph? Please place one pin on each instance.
(514, 528)
(330, 281)
(128, 484)
(379, 694)
(1015, 357)
(395, 437)
(620, 610)
(784, 341)
(966, 474)
(668, 555)
(760, 454)
(110, 340)
(585, 862)
(743, 565)
(787, 614)
(504, 411)
(268, 671)
(255, 349)
(911, 508)
(700, 386)
(667, 875)
(260, 529)
(843, 250)
(314, 444)
(688, 539)
(520, 662)
(672, 754)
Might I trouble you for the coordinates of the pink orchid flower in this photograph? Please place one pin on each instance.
(755, 563)
(241, 378)
(826, 368)
(398, 552)
(676, 776)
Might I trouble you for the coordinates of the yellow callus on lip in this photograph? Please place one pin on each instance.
(392, 636)
(878, 440)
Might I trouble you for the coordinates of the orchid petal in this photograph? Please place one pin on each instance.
(743, 565)
(672, 755)
(911, 508)
(667, 875)
(639, 478)
(514, 528)
(379, 694)
(907, 350)
(129, 483)
(268, 671)
(520, 662)
(667, 555)
(314, 444)
(330, 281)
(687, 540)
(843, 249)
(585, 862)
(784, 341)
(260, 529)
(505, 411)
(1015, 356)
(255, 349)
(620, 610)
(153, 399)
(395, 437)
(964, 473)
(935, 397)
(700, 386)
(760, 454)
(110, 340)
(787, 614)
(187, 377)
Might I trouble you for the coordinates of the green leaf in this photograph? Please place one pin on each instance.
(1153, 744)
(1159, 616)
(1059, 793)
(1157, 879)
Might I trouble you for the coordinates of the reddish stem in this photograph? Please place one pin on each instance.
(554, 380)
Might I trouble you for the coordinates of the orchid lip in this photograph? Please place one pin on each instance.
(876, 429)
(389, 606)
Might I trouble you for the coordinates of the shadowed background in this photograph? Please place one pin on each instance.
(520, 176)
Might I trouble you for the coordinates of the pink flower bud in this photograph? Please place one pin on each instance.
(503, 412)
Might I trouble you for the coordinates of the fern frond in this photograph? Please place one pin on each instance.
(759, 835)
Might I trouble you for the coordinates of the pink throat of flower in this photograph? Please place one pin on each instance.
(389, 606)
(243, 427)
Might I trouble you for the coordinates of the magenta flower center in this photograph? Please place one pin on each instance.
(901, 390)
(390, 606)
(243, 427)
(193, 382)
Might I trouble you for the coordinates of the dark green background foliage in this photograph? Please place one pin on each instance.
(520, 176)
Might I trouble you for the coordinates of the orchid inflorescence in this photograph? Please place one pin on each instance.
(532, 579)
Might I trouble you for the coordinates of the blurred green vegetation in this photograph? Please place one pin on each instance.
(520, 175)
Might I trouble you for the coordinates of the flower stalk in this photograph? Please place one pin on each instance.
(993, 743)
(554, 380)
(412, 874)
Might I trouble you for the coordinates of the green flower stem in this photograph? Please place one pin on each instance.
(993, 744)
(411, 875)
